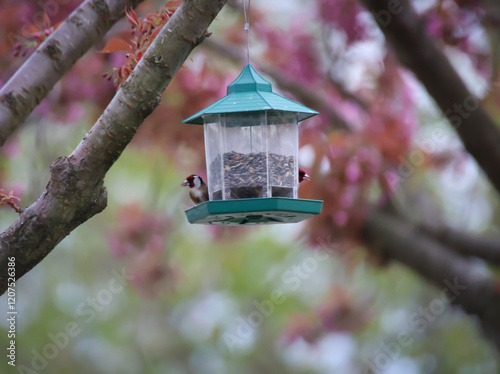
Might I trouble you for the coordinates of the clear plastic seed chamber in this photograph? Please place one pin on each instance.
(251, 155)
(251, 147)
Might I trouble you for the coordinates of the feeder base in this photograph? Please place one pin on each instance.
(260, 211)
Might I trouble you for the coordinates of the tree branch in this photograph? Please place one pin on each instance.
(489, 5)
(399, 240)
(417, 51)
(487, 248)
(75, 191)
(54, 57)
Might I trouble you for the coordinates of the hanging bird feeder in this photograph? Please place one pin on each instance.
(251, 148)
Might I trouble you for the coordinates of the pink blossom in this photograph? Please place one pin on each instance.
(296, 54)
(340, 218)
(352, 171)
(75, 112)
(347, 199)
(342, 14)
(11, 148)
(392, 180)
(374, 164)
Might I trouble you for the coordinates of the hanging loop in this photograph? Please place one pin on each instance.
(246, 14)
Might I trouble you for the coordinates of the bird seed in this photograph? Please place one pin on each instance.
(245, 175)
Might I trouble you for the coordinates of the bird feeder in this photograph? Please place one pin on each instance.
(251, 148)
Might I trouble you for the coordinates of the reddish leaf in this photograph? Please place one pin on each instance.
(46, 21)
(116, 45)
(173, 4)
(132, 17)
(155, 33)
(31, 30)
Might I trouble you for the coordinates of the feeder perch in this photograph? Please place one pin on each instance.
(251, 148)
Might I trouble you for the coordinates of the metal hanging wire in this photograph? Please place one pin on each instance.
(246, 14)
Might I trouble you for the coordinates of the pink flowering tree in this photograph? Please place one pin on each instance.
(407, 94)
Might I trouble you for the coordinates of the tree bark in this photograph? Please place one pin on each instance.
(54, 57)
(486, 248)
(75, 191)
(418, 52)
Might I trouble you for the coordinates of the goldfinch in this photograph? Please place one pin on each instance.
(198, 189)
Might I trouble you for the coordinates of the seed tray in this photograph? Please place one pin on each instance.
(269, 210)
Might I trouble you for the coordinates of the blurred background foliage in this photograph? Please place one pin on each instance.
(304, 298)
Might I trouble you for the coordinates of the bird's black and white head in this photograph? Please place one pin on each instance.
(193, 181)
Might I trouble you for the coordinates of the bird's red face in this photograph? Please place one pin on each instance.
(303, 176)
(189, 181)
(193, 181)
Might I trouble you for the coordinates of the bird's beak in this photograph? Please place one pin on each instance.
(307, 177)
(185, 183)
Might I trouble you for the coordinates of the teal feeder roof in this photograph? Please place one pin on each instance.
(249, 93)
